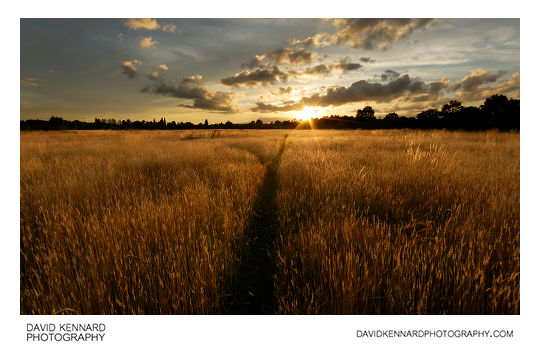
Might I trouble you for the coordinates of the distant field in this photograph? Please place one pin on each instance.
(285, 222)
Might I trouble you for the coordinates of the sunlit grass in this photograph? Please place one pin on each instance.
(135, 222)
(152, 222)
(398, 222)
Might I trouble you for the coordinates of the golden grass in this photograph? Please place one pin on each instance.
(398, 222)
(154, 222)
(135, 222)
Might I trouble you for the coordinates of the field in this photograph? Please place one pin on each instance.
(269, 222)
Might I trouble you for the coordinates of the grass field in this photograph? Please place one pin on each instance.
(285, 222)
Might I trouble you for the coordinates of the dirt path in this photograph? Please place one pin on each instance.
(253, 289)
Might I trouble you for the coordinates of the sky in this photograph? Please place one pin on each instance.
(246, 69)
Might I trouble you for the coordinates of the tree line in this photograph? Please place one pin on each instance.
(497, 112)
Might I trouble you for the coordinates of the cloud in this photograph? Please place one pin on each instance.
(510, 85)
(29, 82)
(192, 80)
(120, 37)
(317, 70)
(376, 33)
(264, 77)
(476, 79)
(317, 40)
(389, 75)
(367, 33)
(169, 28)
(292, 56)
(162, 67)
(367, 60)
(359, 91)
(203, 98)
(287, 106)
(283, 90)
(255, 62)
(284, 55)
(345, 65)
(130, 67)
(141, 23)
(149, 24)
(476, 85)
(155, 76)
(147, 42)
(432, 93)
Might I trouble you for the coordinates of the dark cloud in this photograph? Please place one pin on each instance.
(284, 55)
(476, 79)
(255, 62)
(291, 56)
(510, 85)
(264, 77)
(376, 33)
(203, 98)
(130, 67)
(285, 90)
(432, 93)
(345, 65)
(367, 33)
(389, 75)
(359, 91)
(318, 70)
(367, 60)
(478, 85)
(264, 108)
(192, 80)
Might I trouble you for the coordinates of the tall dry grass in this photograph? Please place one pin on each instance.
(154, 222)
(135, 222)
(398, 222)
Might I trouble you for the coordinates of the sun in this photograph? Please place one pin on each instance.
(306, 114)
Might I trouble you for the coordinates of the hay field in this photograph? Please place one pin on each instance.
(399, 222)
(319, 222)
(135, 222)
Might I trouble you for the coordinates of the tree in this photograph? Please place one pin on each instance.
(57, 123)
(365, 114)
(495, 104)
(391, 117)
(427, 115)
(502, 112)
(453, 106)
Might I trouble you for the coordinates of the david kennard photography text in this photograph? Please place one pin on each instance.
(65, 332)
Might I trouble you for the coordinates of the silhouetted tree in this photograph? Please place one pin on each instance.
(504, 113)
(57, 123)
(495, 104)
(365, 114)
(391, 117)
(453, 106)
(429, 115)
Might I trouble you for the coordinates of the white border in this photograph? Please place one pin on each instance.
(270, 331)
